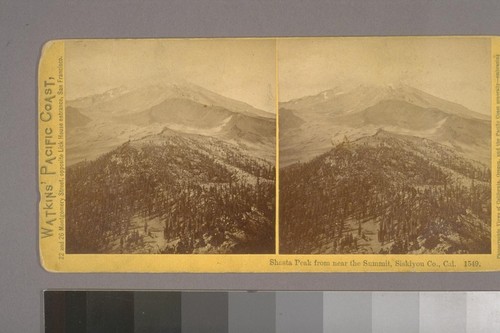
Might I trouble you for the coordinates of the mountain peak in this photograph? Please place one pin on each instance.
(336, 101)
(381, 132)
(330, 93)
(115, 91)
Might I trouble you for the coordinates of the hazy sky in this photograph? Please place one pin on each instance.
(242, 69)
(456, 69)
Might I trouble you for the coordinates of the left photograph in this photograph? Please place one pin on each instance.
(170, 146)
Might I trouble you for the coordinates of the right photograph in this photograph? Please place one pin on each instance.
(385, 145)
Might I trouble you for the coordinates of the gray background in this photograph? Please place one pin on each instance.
(26, 25)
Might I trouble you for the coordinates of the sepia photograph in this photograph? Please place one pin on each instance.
(170, 146)
(385, 145)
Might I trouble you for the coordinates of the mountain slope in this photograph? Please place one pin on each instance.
(336, 101)
(123, 101)
(124, 114)
(254, 133)
(171, 193)
(332, 115)
(289, 120)
(386, 193)
(75, 118)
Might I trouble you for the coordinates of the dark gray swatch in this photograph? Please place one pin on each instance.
(76, 311)
(347, 312)
(251, 312)
(157, 312)
(299, 312)
(54, 303)
(204, 312)
(110, 312)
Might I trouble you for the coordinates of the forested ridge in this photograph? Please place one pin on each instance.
(207, 195)
(386, 193)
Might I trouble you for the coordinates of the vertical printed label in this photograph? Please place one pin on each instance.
(51, 152)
